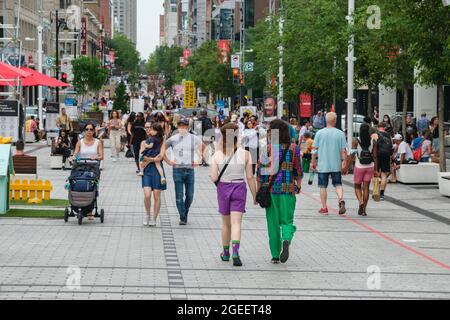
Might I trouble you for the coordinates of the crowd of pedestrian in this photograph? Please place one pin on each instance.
(244, 152)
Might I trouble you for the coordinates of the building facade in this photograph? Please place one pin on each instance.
(125, 18)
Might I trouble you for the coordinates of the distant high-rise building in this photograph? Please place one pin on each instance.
(199, 21)
(170, 22)
(125, 18)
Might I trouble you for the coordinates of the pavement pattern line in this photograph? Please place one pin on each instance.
(413, 208)
(391, 240)
(174, 275)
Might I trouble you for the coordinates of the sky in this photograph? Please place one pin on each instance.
(148, 26)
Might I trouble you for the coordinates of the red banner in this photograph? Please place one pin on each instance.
(186, 56)
(84, 36)
(112, 56)
(306, 105)
(224, 51)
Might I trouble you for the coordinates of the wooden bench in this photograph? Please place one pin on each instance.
(444, 183)
(25, 165)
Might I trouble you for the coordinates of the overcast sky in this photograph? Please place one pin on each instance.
(148, 26)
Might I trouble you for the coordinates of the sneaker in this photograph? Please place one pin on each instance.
(382, 197)
(275, 261)
(140, 173)
(152, 222)
(145, 221)
(183, 223)
(342, 209)
(284, 256)
(114, 160)
(237, 262)
(324, 211)
(224, 258)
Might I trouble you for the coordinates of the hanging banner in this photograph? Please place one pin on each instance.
(189, 94)
(224, 51)
(235, 61)
(84, 36)
(306, 105)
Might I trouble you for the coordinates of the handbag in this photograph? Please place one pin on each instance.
(225, 168)
(129, 154)
(263, 195)
(376, 189)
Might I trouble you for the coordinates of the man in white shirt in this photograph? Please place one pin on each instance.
(404, 153)
(187, 152)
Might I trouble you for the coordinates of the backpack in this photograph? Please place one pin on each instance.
(417, 153)
(365, 156)
(384, 144)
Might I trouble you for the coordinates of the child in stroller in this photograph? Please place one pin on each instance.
(83, 191)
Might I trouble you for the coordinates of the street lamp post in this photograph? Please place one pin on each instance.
(281, 70)
(40, 96)
(351, 72)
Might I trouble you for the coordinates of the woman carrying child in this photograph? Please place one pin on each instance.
(153, 178)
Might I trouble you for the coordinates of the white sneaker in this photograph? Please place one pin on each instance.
(145, 221)
(114, 160)
(152, 221)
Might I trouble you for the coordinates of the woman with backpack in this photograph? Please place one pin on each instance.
(385, 149)
(364, 153)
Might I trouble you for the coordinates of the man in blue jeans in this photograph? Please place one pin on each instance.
(330, 146)
(187, 155)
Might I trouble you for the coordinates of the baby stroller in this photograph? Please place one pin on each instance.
(83, 191)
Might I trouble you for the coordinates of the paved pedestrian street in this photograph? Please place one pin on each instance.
(400, 251)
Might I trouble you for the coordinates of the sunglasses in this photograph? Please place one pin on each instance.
(89, 130)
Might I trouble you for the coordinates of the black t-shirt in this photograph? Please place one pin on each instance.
(138, 131)
(436, 133)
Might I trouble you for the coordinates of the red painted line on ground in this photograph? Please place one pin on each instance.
(396, 242)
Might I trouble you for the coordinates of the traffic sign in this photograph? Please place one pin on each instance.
(249, 66)
(235, 61)
(49, 62)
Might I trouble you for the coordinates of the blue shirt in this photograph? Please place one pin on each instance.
(329, 142)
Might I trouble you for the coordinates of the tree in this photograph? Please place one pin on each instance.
(431, 23)
(120, 102)
(127, 56)
(208, 74)
(167, 60)
(89, 75)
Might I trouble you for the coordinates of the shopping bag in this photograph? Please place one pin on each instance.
(376, 189)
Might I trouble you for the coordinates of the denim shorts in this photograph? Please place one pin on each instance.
(336, 178)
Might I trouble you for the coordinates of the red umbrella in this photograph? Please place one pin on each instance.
(8, 72)
(39, 79)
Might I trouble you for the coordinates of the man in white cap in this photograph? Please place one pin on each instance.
(403, 155)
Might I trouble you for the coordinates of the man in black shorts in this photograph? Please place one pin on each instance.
(385, 150)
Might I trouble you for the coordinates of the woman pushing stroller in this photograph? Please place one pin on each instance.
(89, 148)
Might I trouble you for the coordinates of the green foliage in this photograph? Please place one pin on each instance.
(120, 101)
(165, 61)
(128, 58)
(208, 74)
(88, 74)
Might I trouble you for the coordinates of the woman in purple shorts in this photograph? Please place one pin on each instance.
(232, 188)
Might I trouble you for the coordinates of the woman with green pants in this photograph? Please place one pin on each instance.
(286, 184)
